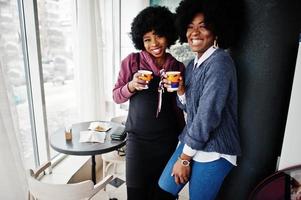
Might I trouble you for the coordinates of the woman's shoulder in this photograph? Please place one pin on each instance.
(132, 56)
(171, 58)
(220, 61)
(172, 61)
(221, 55)
(131, 59)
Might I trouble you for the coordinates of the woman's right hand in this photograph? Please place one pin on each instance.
(136, 84)
(181, 173)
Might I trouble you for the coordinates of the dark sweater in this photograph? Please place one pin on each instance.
(211, 105)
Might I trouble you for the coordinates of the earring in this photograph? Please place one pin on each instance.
(215, 45)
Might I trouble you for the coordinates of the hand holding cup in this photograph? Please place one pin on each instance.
(146, 76)
(140, 80)
(172, 80)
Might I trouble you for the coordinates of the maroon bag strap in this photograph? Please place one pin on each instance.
(135, 67)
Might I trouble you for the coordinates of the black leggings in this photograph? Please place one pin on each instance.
(150, 193)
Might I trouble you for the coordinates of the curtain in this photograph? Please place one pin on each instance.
(13, 183)
(90, 76)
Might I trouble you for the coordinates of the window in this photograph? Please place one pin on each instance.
(56, 30)
(46, 67)
(11, 57)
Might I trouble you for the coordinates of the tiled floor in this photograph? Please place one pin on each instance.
(120, 192)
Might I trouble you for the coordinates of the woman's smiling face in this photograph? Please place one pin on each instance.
(154, 44)
(198, 36)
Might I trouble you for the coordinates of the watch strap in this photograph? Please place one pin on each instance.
(183, 162)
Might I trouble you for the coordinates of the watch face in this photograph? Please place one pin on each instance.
(185, 162)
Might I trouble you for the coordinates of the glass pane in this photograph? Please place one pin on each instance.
(56, 37)
(11, 57)
(171, 4)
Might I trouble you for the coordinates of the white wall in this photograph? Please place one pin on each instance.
(291, 148)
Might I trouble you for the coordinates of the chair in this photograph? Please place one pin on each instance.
(114, 157)
(283, 184)
(49, 191)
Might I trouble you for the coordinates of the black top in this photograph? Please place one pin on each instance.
(142, 113)
(151, 140)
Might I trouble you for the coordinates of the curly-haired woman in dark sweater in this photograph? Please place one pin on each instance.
(153, 127)
(209, 143)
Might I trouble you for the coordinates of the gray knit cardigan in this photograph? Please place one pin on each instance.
(211, 106)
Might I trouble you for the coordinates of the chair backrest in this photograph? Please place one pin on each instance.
(49, 191)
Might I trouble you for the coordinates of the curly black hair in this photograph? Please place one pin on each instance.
(223, 18)
(153, 18)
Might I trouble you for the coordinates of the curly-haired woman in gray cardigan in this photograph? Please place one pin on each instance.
(209, 143)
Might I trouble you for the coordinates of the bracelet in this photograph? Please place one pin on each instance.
(185, 163)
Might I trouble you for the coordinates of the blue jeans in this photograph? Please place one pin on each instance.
(205, 180)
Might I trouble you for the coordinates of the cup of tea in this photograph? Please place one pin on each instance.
(146, 76)
(174, 78)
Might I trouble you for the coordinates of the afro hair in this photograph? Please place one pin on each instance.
(153, 18)
(222, 17)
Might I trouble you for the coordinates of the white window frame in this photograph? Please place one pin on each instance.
(34, 77)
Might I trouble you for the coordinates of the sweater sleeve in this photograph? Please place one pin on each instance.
(189, 151)
(121, 92)
(211, 103)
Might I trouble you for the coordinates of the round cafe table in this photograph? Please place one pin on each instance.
(74, 147)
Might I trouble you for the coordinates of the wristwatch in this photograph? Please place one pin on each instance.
(185, 163)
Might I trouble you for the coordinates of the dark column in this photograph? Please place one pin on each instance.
(265, 59)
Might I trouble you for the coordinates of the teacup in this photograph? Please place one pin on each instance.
(146, 76)
(174, 78)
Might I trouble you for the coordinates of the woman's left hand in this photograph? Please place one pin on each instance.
(181, 173)
(181, 89)
(167, 84)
